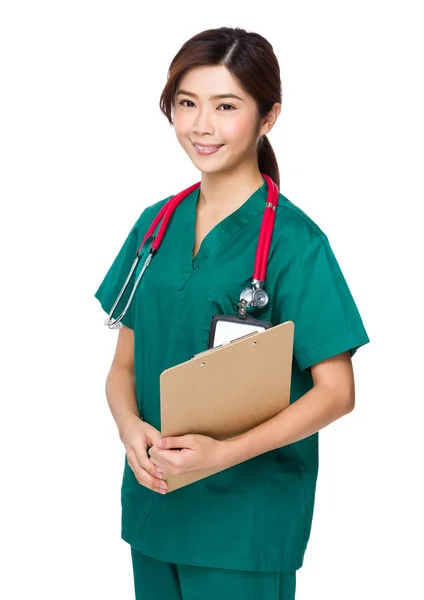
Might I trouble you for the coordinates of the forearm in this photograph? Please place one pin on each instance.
(121, 396)
(316, 409)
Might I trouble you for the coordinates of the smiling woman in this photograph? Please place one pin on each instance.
(210, 126)
(222, 105)
(243, 532)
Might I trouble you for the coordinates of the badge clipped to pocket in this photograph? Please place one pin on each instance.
(226, 328)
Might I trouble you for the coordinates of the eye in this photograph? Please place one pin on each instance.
(182, 102)
(228, 105)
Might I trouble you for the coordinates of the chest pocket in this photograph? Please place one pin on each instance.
(225, 302)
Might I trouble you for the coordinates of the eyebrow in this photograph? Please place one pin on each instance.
(215, 97)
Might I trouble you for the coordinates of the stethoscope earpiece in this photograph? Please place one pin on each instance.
(111, 324)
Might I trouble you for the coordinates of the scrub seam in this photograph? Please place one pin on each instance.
(360, 330)
(302, 486)
(296, 210)
(286, 566)
(296, 258)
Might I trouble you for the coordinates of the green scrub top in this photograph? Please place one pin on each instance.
(256, 515)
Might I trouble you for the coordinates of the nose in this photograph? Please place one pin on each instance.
(203, 122)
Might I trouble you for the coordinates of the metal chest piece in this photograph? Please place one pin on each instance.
(253, 296)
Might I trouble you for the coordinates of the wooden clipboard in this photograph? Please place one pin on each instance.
(225, 391)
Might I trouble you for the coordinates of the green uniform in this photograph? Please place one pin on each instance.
(257, 515)
(159, 579)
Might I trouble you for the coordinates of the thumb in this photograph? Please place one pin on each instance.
(167, 443)
(152, 435)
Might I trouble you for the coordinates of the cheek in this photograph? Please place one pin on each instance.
(181, 128)
(239, 132)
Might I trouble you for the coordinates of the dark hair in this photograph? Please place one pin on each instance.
(250, 58)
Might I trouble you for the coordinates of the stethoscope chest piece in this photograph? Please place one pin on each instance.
(253, 296)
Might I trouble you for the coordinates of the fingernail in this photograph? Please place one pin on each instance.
(159, 475)
(163, 485)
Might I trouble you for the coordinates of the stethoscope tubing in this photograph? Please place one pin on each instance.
(166, 212)
(265, 233)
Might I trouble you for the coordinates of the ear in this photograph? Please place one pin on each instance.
(269, 120)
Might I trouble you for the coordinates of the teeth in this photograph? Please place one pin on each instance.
(206, 147)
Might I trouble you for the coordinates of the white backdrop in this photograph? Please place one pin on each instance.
(84, 148)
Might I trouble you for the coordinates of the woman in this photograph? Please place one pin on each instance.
(242, 532)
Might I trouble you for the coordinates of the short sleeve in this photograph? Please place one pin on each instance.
(118, 272)
(316, 297)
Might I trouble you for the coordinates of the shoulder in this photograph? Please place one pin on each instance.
(293, 226)
(153, 209)
(148, 214)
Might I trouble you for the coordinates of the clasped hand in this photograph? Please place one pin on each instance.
(186, 453)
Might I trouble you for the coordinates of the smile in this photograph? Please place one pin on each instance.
(207, 149)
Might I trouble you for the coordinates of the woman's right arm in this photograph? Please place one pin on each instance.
(120, 382)
(135, 434)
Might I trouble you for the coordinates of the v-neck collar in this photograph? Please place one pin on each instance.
(220, 235)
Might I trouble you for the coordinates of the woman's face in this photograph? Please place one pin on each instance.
(215, 121)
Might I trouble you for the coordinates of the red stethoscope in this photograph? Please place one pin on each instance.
(250, 296)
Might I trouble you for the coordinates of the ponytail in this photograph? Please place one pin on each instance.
(267, 161)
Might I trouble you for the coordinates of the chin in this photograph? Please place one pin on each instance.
(219, 167)
(210, 170)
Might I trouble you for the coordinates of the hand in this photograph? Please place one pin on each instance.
(136, 437)
(186, 453)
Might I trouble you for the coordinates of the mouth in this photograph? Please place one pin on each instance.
(207, 148)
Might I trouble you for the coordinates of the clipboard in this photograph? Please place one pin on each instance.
(225, 391)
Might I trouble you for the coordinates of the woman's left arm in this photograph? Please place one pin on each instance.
(331, 397)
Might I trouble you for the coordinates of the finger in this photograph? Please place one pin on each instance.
(144, 478)
(170, 461)
(165, 459)
(144, 461)
(159, 468)
(182, 441)
(152, 456)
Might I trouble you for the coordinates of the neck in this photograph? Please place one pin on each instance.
(222, 191)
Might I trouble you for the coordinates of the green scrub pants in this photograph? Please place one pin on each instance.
(159, 579)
